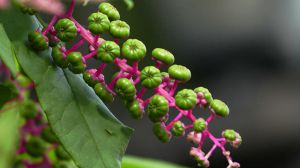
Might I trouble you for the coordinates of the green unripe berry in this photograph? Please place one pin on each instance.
(161, 132)
(229, 134)
(109, 10)
(66, 30)
(63, 164)
(178, 129)
(48, 135)
(220, 108)
(150, 77)
(207, 95)
(35, 147)
(28, 109)
(125, 89)
(23, 80)
(108, 51)
(163, 55)
(103, 94)
(133, 50)
(199, 125)
(75, 61)
(88, 78)
(77, 69)
(180, 73)
(135, 109)
(61, 153)
(186, 99)
(74, 58)
(98, 23)
(158, 107)
(38, 41)
(119, 29)
(59, 58)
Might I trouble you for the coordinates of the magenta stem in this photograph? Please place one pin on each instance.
(210, 118)
(100, 69)
(211, 151)
(116, 40)
(173, 87)
(75, 46)
(113, 82)
(121, 63)
(141, 93)
(178, 117)
(50, 25)
(71, 9)
(215, 140)
(90, 55)
(84, 33)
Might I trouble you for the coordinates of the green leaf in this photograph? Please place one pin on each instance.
(6, 53)
(9, 130)
(86, 128)
(8, 91)
(139, 162)
(16, 24)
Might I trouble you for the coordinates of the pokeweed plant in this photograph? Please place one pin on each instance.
(72, 109)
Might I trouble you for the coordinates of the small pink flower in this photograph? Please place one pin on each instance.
(3, 4)
(50, 6)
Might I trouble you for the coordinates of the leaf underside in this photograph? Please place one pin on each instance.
(86, 128)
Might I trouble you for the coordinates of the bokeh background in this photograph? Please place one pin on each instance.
(246, 52)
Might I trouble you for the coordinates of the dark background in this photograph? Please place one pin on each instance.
(247, 53)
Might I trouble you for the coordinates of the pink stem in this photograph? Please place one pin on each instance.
(50, 25)
(215, 140)
(158, 64)
(210, 151)
(90, 55)
(75, 46)
(210, 118)
(113, 82)
(173, 87)
(188, 126)
(100, 69)
(178, 117)
(141, 93)
(116, 40)
(84, 33)
(121, 63)
(71, 9)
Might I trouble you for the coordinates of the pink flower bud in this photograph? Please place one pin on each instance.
(193, 137)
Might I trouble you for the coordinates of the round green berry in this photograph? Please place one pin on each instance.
(186, 99)
(119, 29)
(207, 95)
(125, 89)
(158, 107)
(103, 93)
(59, 58)
(150, 77)
(38, 41)
(108, 51)
(178, 129)
(109, 10)
(77, 69)
(229, 134)
(199, 125)
(135, 109)
(220, 108)
(35, 147)
(98, 23)
(88, 78)
(65, 29)
(163, 55)
(133, 50)
(75, 61)
(61, 153)
(23, 80)
(28, 109)
(180, 73)
(48, 135)
(160, 131)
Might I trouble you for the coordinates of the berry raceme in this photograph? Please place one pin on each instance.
(126, 54)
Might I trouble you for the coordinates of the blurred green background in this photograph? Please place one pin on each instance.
(246, 52)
